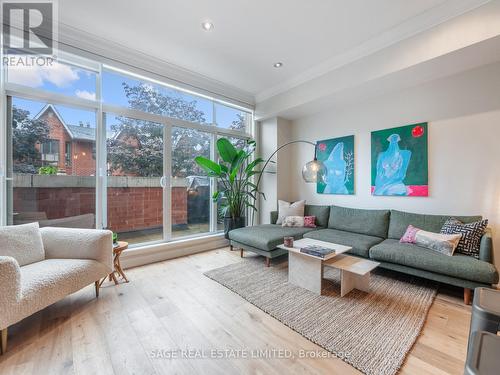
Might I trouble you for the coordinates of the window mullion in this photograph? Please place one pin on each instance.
(101, 157)
(213, 187)
(167, 173)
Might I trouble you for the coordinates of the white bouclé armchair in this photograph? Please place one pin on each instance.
(61, 261)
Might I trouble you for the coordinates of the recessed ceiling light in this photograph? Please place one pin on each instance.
(278, 64)
(207, 25)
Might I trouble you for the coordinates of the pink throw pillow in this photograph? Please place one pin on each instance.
(309, 221)
(410, 235)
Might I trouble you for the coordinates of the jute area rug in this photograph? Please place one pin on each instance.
(373, 331)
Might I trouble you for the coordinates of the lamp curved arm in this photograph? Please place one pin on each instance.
(276, 151)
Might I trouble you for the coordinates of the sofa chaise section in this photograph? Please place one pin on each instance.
(264, 239)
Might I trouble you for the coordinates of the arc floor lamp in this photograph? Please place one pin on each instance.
(312, 172)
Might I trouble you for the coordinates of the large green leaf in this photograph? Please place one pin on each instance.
(208, 165)
(226, 150)
(252, 165)
(238, 160)
(233, 175)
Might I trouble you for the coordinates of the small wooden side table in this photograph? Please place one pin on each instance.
(117, 251)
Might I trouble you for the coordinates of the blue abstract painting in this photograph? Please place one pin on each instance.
(399, 161)
(337, 154)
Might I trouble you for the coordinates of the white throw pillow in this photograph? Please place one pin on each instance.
(443, 243)
(293, 221)
(22, 242)
(289, 209)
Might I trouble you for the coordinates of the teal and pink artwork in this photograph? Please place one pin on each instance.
(400, 161)
(337, 154)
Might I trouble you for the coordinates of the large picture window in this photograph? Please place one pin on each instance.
(135, 160)
(190, 185)
(90, 146)
(44, 187)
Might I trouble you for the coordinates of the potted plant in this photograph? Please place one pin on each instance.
(235, 190)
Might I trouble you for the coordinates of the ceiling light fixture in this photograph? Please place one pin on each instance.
(207, 25)
(278, 64)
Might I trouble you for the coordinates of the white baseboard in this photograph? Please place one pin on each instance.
(158, 252)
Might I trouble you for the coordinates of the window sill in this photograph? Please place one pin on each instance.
(157, 252)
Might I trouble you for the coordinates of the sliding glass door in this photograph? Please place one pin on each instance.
(135, 178)
(191, 203)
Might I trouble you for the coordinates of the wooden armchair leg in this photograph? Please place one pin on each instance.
(268, 262)
(231, 247)
(241, 253)
(3, 341)
(467, 296)
(97, 286)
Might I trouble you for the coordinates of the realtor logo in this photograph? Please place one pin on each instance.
(28, 28)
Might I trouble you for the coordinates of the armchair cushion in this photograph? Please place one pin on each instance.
(22, 242)
(68, 243)
(56, 278)
(43, 283)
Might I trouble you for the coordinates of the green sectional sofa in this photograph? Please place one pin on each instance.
(375, 234)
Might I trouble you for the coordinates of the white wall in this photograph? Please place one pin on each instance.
(463, 112)
(283, 158)
(267, 141)
(273, 133)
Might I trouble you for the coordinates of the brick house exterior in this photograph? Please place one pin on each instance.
(71, 147)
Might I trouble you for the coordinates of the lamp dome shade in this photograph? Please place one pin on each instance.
(314, 171)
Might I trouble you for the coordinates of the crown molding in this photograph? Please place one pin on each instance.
(405, 30)
(95, 47)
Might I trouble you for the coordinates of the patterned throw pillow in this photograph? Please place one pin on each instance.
(309, 221)
(409, 236)
(293, 221)
(442, 243)
(471, 235)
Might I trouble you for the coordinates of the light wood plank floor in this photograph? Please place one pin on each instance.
(171, 305)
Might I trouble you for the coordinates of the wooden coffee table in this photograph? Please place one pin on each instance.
(306, 270)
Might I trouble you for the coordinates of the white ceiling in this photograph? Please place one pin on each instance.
(250, 35)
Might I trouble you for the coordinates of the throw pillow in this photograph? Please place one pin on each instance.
(293, 221)
(22, 242)
(443, 243)
(409, 236)
(471, 235)
(309, 221)
(289, 209)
